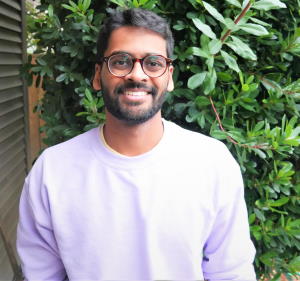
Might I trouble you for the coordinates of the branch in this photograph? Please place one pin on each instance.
(242, 14)
(229, 137)
(275, 87)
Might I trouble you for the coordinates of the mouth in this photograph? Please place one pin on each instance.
(136, 93)
(133, 89)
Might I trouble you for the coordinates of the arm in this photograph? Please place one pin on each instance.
(229, 251)
(36, 242)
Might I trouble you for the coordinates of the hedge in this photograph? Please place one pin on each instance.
(236, 79)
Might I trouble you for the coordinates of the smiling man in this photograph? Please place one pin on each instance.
(137, 198)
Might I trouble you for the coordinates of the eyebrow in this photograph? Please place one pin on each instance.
(128, 53)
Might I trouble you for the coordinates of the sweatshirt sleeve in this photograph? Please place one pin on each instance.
(229, 251)
(36, 244)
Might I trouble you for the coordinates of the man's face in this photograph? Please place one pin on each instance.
(136, 97)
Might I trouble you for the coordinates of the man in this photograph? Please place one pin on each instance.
(138, 198)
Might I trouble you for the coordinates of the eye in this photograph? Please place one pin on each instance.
(120, 62)
(154, 63)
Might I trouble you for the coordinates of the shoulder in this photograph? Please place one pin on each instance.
(64, 155)
(207, 159)
(80, 143)
(190, 141)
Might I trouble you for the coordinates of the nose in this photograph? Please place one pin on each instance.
(137, 73)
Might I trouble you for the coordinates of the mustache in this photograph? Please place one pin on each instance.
(135, 85)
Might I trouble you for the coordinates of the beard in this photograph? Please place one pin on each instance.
(129, 112)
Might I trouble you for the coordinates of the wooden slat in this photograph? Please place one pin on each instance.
(9, 172)
(6, 205)
(10, 153)
(9, 12)
(11, 117)
(18, 175)
(9, 197)
(11, 94)
(13, 140)
(12, 3)
(10, 47)
(11, 129)
(5, 268)
(13, 216)
(9, 35)
(9, 168)
(13, 158)
(9, 70)
(10, 59)
(11, 82)
(10, 24)
(10, 106)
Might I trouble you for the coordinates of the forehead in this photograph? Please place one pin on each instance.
(137, 41)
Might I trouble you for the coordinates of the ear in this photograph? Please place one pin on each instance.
(170, 86)
(96, 79)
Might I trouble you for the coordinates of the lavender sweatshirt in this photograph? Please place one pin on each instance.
(176, 212)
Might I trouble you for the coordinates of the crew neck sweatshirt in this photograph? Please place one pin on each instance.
(176, 212)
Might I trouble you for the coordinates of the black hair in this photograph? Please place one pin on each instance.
(136, 17)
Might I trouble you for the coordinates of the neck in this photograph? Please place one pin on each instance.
(132, 140)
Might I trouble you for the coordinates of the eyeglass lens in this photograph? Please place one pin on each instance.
(122, 64)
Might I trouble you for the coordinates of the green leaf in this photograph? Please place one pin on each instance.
(41, 61)
(197, 52)
(196, 80)
(135, 3)
(296, 132)
(230, 24)
(61, 77)
(245, 87)
(36, 68)
(210, 62)
(234, 3)
(70, 8)
(50, 11)
(259, 126)
(252, 218)
(259, 214)
(204, 28)
(213, 11)
(279, 202)
(230, 61)
(88, 95)
(295, 263)
(218, 134)
(86, 4)
(149, 5)
(202, 101)
(260, 153)
(178, 27)
(271, 85)
(267, 258)
(224, 76)
(241, 48)
(210, 82)
(259, 22)
(254, 29)
(66, 49)
(267, 5)
(120, 3)
(256, 231)
(214, 46)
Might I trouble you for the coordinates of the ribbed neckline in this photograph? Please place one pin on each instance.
(103, 154)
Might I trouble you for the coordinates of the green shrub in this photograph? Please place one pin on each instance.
(236, 79)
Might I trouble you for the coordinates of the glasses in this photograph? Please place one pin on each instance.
(122, 64)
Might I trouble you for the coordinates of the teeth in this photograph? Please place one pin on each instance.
(135, 93)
